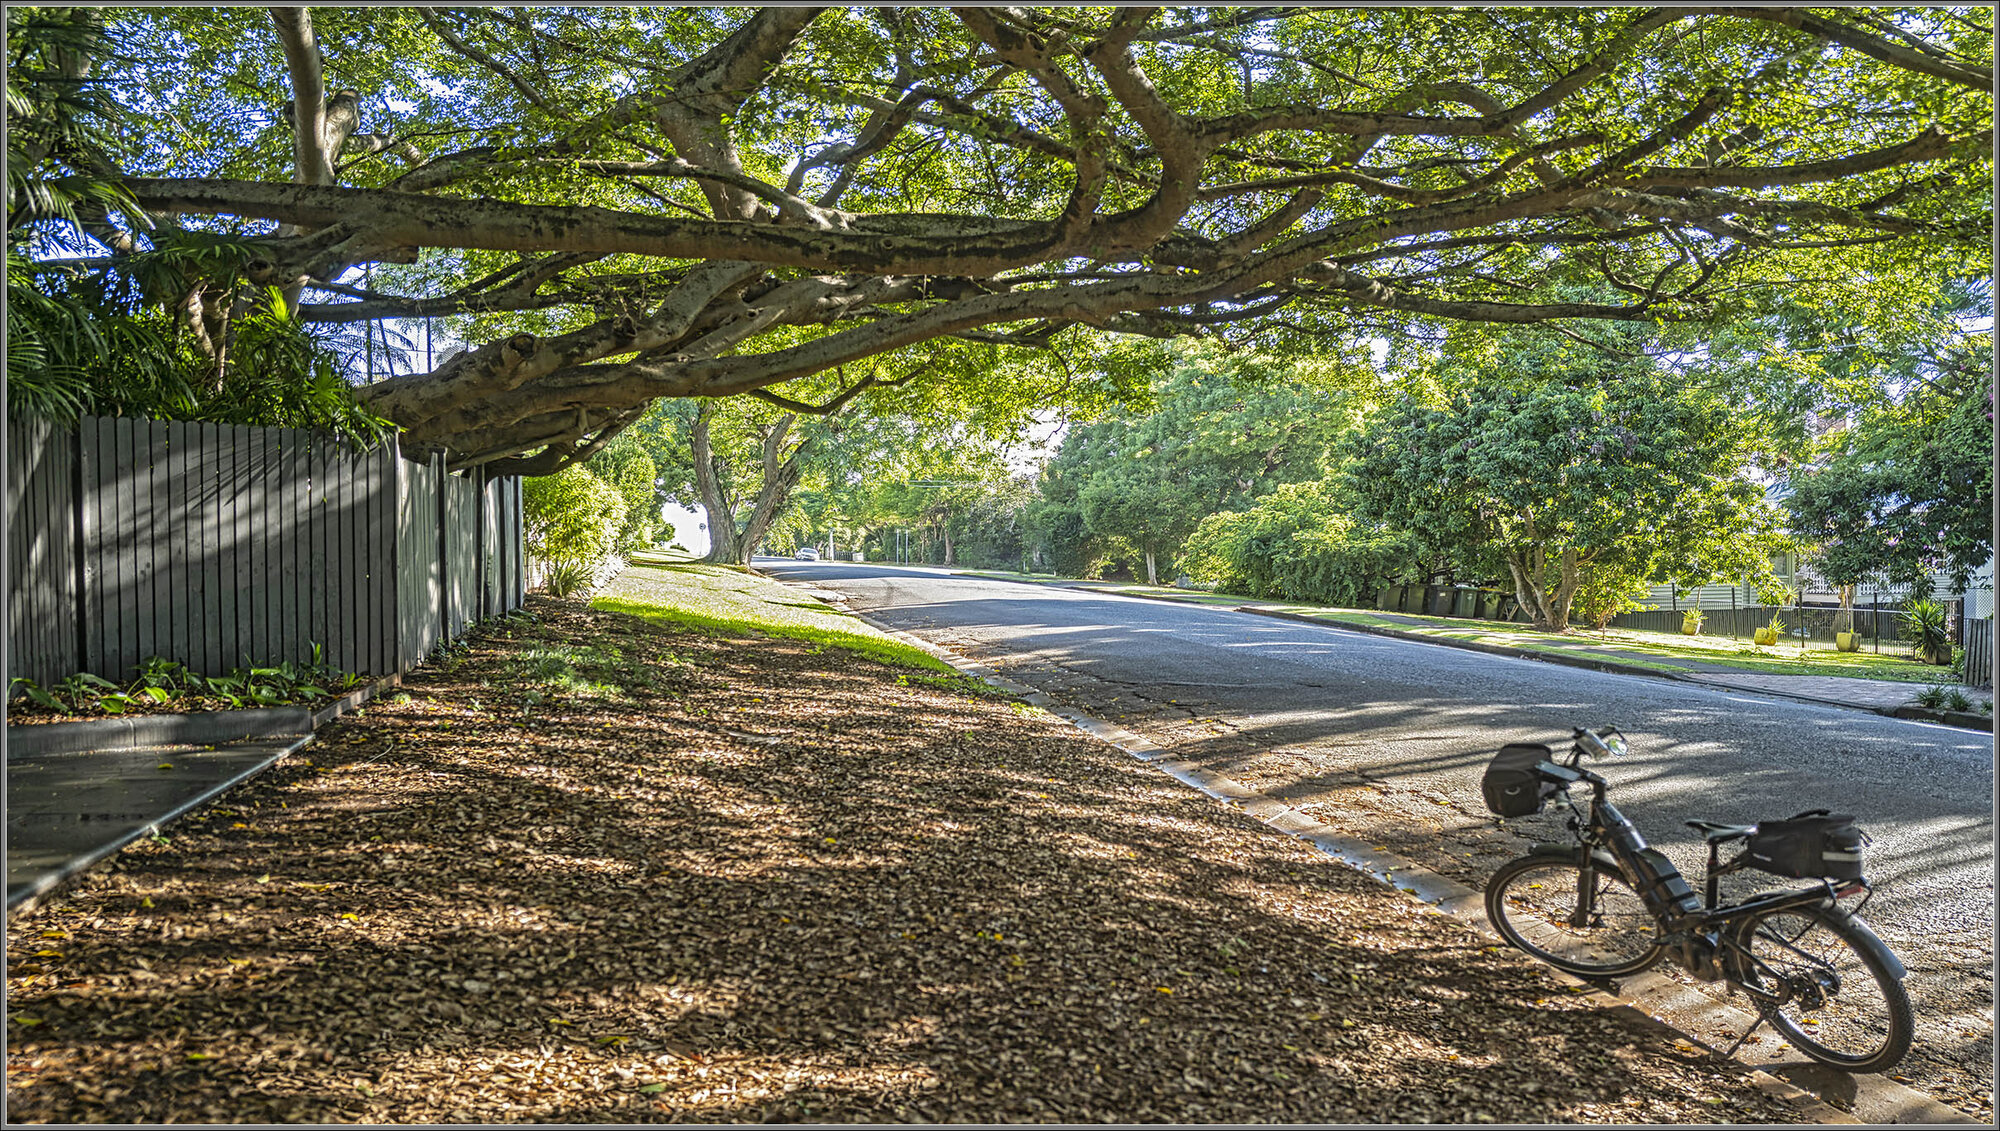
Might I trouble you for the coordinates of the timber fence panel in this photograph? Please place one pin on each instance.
(90, 523)
(517, 542)
(129, 497)
(184, 617)
(151, 483)
(419, 572)
(459, 501)
(382, 557)
(242, 491)
(212, 532)
(42, 639)
(267, 539)
(1979, 652)
(226, 546)
(291, 521)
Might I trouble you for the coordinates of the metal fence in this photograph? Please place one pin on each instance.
(1880, 628)
(223, 546)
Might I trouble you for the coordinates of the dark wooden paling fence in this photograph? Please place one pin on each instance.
(1979, 652)
(222, 546)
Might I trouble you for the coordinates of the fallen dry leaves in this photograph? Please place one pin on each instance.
(748, 881)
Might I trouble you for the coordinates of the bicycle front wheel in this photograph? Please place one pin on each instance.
(1598, 929)
(1822, 980)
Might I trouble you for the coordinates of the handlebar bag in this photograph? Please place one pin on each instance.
(1809, 846)
(1512, 786)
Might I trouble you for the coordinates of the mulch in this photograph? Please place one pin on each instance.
(746, 880)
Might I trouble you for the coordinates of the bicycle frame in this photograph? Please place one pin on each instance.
(1696, 936)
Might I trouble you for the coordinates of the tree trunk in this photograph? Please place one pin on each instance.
(1568, 579)
(771, 500)
(709, 484)
(945, 526)
(1152, 574)
(1548, 607)
(731, 541)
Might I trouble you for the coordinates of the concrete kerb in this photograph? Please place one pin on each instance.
(1645, 996)
(196, 728)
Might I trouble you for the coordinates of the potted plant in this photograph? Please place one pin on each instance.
(1691, 622)
(1845, 639)
(1926, 625)
(1769, 633)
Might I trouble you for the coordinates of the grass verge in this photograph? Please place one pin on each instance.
(718, 599)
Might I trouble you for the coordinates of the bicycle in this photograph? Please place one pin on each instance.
(1609, 906)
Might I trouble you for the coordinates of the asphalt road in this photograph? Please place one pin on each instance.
(1387, 738)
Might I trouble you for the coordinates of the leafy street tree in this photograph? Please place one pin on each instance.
(1221, 431)
(1563, 462)
(616, 204)
(1906, 492)
(629, 469)
(1301, 543)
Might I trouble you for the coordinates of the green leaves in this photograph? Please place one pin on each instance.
(1567, 470)
(571, 519)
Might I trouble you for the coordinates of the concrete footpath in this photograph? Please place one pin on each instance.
(79, 791)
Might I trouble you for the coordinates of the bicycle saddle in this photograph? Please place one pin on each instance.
(1713, 831)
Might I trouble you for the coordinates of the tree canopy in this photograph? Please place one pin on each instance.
(616, 204)
(1564, 463)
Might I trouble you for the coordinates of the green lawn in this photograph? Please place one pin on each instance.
(1708, 652)
(736, 601)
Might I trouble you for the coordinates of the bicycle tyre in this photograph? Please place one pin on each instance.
(1530, 898)
(1864, 1024)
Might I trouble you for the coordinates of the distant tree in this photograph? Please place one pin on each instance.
(1222, 429)
(629, 469)
(1559, 458)
(1906, 492)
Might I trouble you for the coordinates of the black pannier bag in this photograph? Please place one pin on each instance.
(1511, 785)
(1813, 845)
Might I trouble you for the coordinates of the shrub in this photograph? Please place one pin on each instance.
(632, 473)
(1610, 588)
(1296, 544)
(1926, 626)
(1956, 700)
(570, 523)
(1932, 697)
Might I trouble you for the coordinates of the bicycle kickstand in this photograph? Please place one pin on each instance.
(1760, 1022)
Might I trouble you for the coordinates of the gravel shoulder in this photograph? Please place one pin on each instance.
(596, 869)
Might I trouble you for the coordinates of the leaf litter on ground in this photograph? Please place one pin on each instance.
(624, 903)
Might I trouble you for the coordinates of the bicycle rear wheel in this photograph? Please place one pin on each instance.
(1837, 1000)
(1542, 905)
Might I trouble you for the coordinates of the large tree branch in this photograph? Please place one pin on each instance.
(1874, 46)
(312, 159)
(457, 43)
(402, 220)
